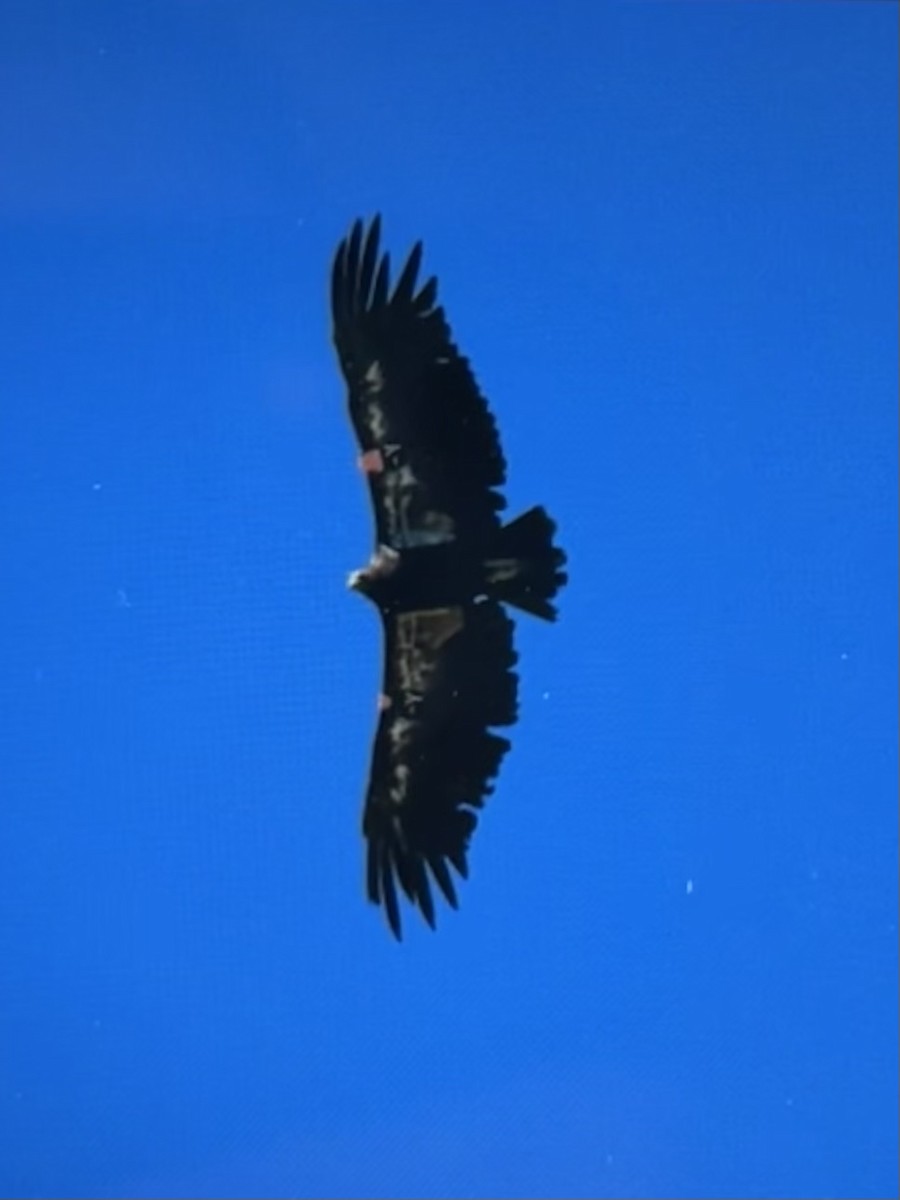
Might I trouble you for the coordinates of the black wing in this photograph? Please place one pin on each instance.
(428, 442)
(447, 677)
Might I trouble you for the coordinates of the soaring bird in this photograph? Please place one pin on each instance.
(443, 569)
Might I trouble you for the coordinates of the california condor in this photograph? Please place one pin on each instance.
(444, 566)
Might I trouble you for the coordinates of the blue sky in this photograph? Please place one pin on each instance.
(666, 236)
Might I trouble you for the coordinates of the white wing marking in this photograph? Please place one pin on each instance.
(409, 528)
(373, 380)
(420, 635)
(374, 419)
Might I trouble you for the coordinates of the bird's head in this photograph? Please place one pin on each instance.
(381, 565)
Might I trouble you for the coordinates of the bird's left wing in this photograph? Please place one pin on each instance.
(428, 442)
(448, 677)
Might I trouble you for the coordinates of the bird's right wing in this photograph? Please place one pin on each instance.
(448, 677)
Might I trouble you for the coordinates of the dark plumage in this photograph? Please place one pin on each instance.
(443, 567)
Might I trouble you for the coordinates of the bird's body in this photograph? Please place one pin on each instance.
(420, 577)
(442, 569)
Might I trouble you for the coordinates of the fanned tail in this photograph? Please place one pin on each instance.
(525, 568)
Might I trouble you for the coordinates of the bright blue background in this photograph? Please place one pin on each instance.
(666, 236)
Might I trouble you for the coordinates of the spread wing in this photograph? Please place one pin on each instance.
(428, 443)
(447, 677)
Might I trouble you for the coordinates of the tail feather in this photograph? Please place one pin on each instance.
(525, 568)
